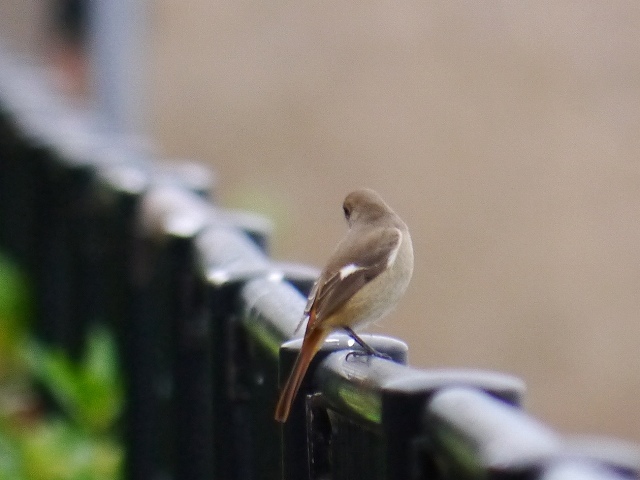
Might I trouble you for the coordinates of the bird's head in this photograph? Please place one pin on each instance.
(364, 204)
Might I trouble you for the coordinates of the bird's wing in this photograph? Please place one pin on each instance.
(346, 274)
(307, 308)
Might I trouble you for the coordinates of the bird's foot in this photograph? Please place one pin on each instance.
(368, 354)
(367, 349)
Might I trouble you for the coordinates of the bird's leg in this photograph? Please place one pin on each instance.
(367, 348)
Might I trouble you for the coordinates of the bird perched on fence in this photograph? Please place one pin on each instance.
(362, 282)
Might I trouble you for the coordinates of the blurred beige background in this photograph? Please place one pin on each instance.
(23, 26)
(506, 134)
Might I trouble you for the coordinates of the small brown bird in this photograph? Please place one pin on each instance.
(362, 282)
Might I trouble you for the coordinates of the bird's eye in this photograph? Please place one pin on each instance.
(347, 211)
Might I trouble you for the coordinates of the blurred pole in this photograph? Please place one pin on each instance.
(118, 62)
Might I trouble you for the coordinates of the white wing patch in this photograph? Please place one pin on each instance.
(394, 253)
(348, 270)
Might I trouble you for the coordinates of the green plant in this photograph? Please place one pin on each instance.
(78, 439)
(89, 391)
(15, 314)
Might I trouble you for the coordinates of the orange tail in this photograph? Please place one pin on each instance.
(310, 346)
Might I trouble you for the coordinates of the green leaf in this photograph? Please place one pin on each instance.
(15, 311)
(10, 464)
(55, 450)
(89, 392)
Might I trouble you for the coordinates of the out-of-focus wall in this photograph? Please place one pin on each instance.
(24, 25)
(505, 133)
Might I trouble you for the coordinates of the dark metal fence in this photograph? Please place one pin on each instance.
(111, 234)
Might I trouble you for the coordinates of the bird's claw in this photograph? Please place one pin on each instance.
(365, 353)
